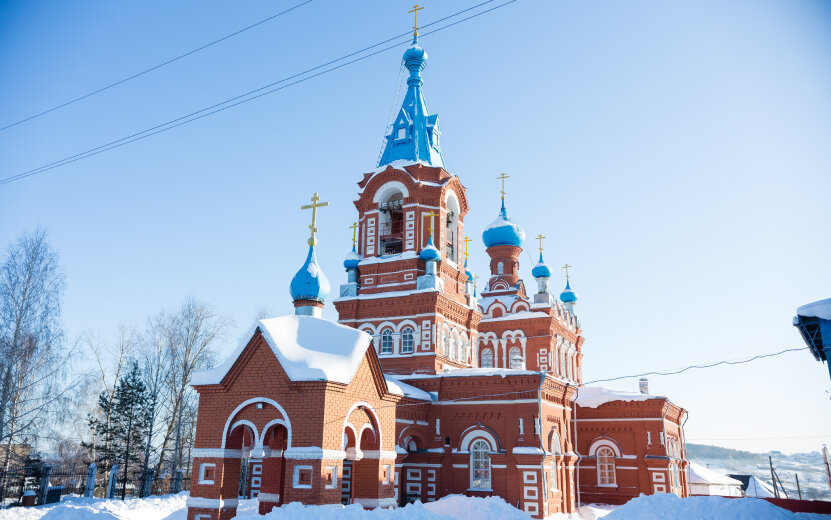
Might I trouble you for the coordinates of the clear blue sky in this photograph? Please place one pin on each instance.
(678, 154)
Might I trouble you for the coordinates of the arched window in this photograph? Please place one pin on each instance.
(675, 454)
(606, 467)
(463, 350)
(480, 465)
(407, 340)
(454, 347)
(562, 361)
(452, 229)
(557, 451)
(500, 268)
(386, 342)
(446, 346)
(487, 358)
(515, 358)
(569, 359)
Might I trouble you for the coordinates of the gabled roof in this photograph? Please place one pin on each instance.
(308, 349)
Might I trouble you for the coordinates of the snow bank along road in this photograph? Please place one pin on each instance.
(455, 507)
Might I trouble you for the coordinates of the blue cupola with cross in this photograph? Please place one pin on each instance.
(310, 287)
(414, 134)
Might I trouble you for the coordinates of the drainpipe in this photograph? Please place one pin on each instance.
(579, 456)
(542, 447)
(666, 443)
(684, 444)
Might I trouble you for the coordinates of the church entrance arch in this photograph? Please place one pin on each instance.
(362, 443)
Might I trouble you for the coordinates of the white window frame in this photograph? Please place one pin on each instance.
(202, 468)
(610, 461)
(481, 448)
(386, 334)
(487, 354)
(407, 332)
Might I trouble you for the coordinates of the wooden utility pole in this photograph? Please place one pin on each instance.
(798, 489)
(773, 477)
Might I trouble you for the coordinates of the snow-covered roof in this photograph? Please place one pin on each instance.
(820, 309)
(473, 372)
(594, 396)
(703, 475)
(398, 388)
(308, 349)
(758, 489)
(521, 315)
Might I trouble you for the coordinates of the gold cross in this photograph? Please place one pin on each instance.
(416, 9)
(566, 268)
(354, 227)
(467, 241)
(540, 237)
(431, 215)
(503, 177)
(313, 206)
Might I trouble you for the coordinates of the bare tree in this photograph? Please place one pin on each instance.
(195, 330)
(32, 363)
(111, 360)
(156, 348)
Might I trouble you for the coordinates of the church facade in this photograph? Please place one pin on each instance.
(425, 387)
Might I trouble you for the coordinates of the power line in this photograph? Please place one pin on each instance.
(155, 67)
(709, 365)
(249, 96)
(759, 438)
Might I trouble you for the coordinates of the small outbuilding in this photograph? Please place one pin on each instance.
(704, 481)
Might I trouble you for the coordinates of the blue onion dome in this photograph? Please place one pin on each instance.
(352, 259)
(568, 296)
(503, 231)
(468, 273)
(310, 283)
(429, 252)
(541, 270)
(415, 55)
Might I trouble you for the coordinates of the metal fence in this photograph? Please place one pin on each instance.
(15, 482)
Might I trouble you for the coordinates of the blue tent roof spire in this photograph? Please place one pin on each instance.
(414, 134)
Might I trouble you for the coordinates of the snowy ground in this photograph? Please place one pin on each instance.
(456, 507)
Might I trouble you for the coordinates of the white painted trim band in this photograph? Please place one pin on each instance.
(212, 503)
(313, 453)
(215, 453)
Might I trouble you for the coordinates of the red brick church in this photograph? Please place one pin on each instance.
(424, 388)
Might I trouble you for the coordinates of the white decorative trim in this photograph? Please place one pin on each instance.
(369, 409)
(388, 186)
(420, 465)
(460, 466)
(334, 470)
(379, 454)
(295, 481)
(215, 453)
(253, 400)
(271, 423)
(203, 467)
(375, 502)
(464, 445)
(212, 503)
(313, 453)
(499, 466)
(628, 419)
(246, 422)
(528, 466)
(268, 497)
(599, 443)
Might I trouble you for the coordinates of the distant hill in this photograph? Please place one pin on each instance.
(808, 466)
